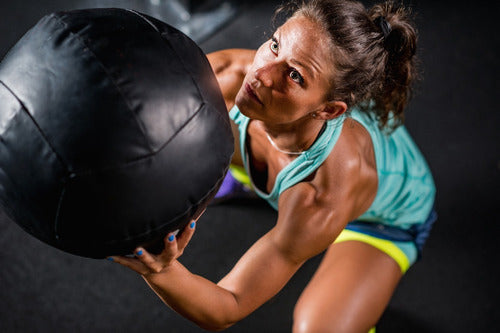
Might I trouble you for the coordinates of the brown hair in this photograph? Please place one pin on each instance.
(374, 68)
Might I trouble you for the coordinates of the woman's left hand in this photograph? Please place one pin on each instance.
(146, 263)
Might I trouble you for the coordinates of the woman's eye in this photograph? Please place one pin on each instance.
(274, 46)
(295, 76)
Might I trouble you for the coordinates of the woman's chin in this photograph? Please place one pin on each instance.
(244, 107)
(248, 111)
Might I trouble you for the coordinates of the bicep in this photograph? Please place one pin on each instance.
(300, 233)
(312, 214)
(308, 221)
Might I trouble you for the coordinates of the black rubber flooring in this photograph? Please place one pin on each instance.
(454, 118)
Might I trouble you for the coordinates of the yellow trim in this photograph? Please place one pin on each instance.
(383, 245)
(239, 173)
(372, 330)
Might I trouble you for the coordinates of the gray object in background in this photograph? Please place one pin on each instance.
(197, 19)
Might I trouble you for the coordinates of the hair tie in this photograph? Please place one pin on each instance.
(382, 23)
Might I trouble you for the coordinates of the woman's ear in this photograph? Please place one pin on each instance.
(331, 110)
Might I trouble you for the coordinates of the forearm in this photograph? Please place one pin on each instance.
(194, 297)
(262, 271)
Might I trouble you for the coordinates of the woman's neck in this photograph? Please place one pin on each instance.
(293, 138)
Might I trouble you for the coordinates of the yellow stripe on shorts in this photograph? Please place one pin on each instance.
(383, 245)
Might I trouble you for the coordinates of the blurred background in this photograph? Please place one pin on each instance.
(453, 118)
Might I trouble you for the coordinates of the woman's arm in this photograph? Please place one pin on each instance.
(230, 67)
(301, 232)
(310, 218)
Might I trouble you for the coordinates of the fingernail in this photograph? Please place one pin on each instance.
(171, 238)
(110, 259)
(192, 225)
(139, 253)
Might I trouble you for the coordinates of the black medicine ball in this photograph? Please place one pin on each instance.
(113, 131)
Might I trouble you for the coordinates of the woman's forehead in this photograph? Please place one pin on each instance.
(306, 41)
(301, 23)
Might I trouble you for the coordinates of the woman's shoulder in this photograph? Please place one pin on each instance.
(350, 171)
(231, 60)
(230, 67)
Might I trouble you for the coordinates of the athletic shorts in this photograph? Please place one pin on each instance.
(404, 246)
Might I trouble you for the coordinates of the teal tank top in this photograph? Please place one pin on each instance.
(406, 191)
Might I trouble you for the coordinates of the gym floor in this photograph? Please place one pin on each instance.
(453, 119)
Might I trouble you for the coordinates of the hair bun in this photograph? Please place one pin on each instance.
(401, 40)
(384, 26)
(401, 43)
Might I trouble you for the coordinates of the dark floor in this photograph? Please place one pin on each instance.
(453, 118)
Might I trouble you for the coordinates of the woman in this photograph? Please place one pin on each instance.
(318, 111)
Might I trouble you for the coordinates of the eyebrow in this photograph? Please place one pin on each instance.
(277, 36)
(307, 68)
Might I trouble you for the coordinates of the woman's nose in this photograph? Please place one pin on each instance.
(268, 74)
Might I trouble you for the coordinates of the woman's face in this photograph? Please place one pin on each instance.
(289, 77)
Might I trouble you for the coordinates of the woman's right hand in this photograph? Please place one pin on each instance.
(146, 263)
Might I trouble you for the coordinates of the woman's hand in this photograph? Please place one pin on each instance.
(146, 263)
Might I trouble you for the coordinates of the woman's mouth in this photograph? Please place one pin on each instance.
(252, 93)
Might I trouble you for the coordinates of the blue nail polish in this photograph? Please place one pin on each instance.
(139, 253)
(192, 225)
(110, 259)
(171, 238)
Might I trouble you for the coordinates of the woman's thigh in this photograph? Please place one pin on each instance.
(349, 291)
